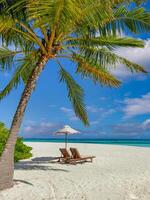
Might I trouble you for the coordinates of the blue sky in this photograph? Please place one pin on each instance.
(113, 113)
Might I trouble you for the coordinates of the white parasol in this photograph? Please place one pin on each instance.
(66, 130)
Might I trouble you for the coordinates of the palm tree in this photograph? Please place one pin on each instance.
(84, 31)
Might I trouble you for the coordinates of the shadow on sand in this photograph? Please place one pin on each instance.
(16, 181)
(39, 163)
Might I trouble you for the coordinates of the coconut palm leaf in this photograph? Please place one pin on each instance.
(13, 83)
(96, 72)
(135, 21)
(23, 71)
(108, 41)
(106, 58)
(12, 29)
(7, 58)
(75, 94)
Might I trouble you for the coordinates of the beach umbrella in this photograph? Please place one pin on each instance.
(66, 130)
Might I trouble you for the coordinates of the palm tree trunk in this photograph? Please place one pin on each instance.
(7, 157)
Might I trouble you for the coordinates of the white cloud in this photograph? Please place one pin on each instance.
(90, 109)
(40, 128)
(146, 124)
(69, 113)
(30, 122)
(66, 110)
(132, 128)
(137, 55)
(74, 118)
(27, 129)
(102, 111)
(93, 109)
(46, 124)
(137, 106)
(109, 111)
(94, 122)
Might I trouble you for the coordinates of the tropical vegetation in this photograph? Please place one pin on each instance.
(86, 32)
(22, 151)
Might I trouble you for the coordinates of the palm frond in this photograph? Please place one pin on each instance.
(22, 72)
(59, 13)
(7, 58)
(136, 21)
(15, 32)
(14, 82)
(106, 58)
(99, 74)
(94, 13)
(28, 63)
(108, 41)
(75, 94)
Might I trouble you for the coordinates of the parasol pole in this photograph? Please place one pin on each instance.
(66, 140)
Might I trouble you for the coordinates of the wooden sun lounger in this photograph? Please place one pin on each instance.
(76, 155)
(66, 157)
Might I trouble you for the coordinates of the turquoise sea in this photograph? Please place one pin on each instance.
(127, 142)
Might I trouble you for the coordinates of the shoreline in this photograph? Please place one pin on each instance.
(117, 173)
(122, 142)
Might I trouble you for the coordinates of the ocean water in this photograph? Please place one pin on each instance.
(127, 142)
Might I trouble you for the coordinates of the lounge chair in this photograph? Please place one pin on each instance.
(65, 157)
(76, 155)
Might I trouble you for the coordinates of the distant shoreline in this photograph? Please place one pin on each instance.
(127, 142)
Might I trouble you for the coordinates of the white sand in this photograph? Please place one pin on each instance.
(117, 173)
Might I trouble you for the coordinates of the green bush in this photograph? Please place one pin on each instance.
(22, 151)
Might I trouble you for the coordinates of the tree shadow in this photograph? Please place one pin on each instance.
(45, 159)
(39, 163)
(22, 181)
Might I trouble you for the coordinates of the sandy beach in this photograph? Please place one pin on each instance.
(117, 173)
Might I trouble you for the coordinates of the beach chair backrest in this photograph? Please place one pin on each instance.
(65, 153)
(75, 153)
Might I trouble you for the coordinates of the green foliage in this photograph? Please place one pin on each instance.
(22, 151)
(96, 72)
(108, 41)
(131, 20)
(75, 94)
